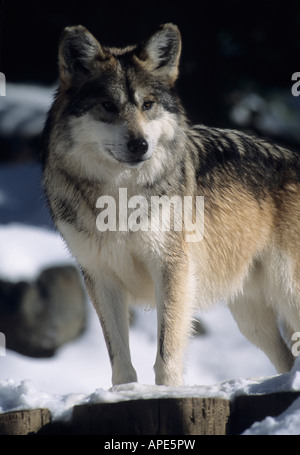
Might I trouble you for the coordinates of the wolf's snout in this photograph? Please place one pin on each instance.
(138, 146)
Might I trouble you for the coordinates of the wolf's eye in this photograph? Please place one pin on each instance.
(147, 105)
(109, 106)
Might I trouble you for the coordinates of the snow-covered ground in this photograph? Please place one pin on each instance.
(218, 363)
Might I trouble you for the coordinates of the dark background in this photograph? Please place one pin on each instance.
(229, 44)
(230, 47)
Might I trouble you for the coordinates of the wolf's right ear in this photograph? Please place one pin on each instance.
(77, 51)
(161, 53)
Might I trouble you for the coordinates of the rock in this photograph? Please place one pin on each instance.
(37, 318)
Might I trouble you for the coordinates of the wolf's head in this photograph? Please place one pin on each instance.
(120, 103)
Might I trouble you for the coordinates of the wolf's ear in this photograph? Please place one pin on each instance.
(77, 51)
(161, 52)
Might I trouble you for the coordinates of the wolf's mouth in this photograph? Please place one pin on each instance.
(132, 162)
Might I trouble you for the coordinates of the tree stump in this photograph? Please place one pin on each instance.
(24, 422)
(166, 416)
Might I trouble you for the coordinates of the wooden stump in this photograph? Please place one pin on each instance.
(247, 409)
(24, 422)
(166, 416)
(157, 417)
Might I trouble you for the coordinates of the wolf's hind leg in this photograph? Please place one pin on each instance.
(258, 322)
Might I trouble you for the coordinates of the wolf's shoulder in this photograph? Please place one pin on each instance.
(228, 145)
(243, 156)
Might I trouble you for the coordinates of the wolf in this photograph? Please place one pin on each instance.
(117, 123)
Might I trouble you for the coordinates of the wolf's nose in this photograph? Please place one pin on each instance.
(138, 146)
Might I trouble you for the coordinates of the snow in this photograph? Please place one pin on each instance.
(23, 109)
(277, 114)
(220, 363)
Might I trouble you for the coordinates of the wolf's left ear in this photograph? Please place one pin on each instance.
(78, 49)
(161, 53)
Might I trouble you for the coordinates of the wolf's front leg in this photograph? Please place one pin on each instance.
(108, 299)
(174, 297)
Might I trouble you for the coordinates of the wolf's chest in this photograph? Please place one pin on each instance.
(129, 266)
(123, 256)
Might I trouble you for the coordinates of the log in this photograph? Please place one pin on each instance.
(166, 416)
(247, 409)
(24, 422)
(157, 417)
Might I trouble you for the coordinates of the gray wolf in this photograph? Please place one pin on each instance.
(117, 123)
